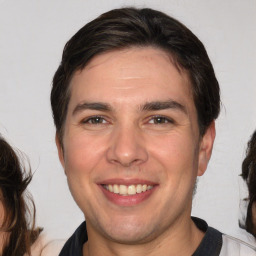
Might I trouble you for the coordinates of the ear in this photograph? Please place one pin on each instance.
(60, 149)
(205, 149)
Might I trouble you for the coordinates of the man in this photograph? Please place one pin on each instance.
(134, 103)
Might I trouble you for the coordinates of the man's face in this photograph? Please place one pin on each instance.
(131, 145)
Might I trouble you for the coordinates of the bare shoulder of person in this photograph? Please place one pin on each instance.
(43, 246)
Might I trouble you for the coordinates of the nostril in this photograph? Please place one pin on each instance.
(127, 163)
(127, 148)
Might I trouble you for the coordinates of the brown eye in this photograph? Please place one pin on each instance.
(95, 120)
(160, 120)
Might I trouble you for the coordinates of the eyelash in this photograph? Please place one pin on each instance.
(91, 119)
(97, 120)
(161, 118)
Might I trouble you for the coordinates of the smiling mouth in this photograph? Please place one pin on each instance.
(125, 190)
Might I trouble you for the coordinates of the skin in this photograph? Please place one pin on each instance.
(254, 218)
(131, 141)
(4, 236)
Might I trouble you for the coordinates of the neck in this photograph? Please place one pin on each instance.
(180, 239)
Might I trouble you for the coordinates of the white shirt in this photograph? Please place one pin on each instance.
(234, 247)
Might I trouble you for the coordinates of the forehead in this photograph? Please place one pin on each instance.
(131, 58)
(142, 73)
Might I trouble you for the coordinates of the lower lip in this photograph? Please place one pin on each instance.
(128, 200)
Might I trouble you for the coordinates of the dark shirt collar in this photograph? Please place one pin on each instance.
(212, 241)
(74, 245)
(210, 245)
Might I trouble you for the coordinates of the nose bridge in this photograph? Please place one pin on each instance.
(127, 145)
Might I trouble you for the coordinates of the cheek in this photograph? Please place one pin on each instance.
(79, 165)
(175, 150)
(178, 157)
(82, 155)
(1, 213)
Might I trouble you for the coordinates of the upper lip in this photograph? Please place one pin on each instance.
(126, 182)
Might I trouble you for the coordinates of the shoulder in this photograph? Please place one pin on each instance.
(53, 248)
(44, 246)
(243, 235)
(236, 247)
(217, 243)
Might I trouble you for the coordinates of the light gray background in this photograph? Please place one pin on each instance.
(32, 36)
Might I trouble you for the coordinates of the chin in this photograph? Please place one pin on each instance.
(129, 233)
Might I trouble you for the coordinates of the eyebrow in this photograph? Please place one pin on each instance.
(149, 106)
(161, 105)
(92, 106)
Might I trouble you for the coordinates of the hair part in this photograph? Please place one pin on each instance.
(130, 27)
(14, 180)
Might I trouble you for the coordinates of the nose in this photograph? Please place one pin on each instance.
(127, 147)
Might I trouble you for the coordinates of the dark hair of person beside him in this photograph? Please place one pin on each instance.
(19, 218)
(249, 175)
(130, 27)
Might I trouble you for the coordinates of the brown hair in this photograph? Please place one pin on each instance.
(128, 27)
(249, 175)
(14, 180)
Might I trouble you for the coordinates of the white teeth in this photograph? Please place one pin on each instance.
(128, 190)
(144, 188)
(139, 188)
(123, 190)
(110, 188)
(116, 189)
(131, 190)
